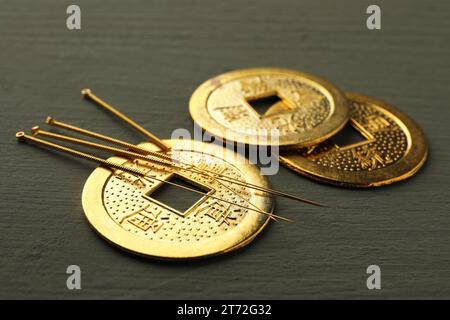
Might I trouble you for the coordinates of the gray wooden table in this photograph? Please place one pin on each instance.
(147, 57)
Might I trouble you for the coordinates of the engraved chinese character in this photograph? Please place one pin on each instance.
(134, 179)
(254, 87)
(146, 220)
(233, 113)
(376, 123)
(218, 213)
(369, 158)
(284, 123)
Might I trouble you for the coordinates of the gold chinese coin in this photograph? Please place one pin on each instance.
(391, 148)
(251, 105)
(122, 208)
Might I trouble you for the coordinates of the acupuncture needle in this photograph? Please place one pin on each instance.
(53, 122)
(38, 131)
(153, 138)
(23, 137)
(88, 94)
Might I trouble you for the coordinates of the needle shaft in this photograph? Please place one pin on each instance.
(88, 94)
(130, 154)
(203, 171)
(22, 137)
(161, 161)
(53, 122)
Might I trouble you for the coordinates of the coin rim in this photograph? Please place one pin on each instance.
(101, 222)
(334, 123)
(406, 167)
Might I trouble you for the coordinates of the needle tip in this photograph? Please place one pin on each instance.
(49, 120)
(319, 204)
(20, 135)
(35, 130)
(86, 92)
(284, 219)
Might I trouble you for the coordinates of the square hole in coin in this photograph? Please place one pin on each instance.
(175, 197)
(348, 136)
(261, 105)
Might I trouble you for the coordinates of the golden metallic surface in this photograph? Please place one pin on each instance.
(119, 205)
(394, 149)
(155, 156)
(308, 111)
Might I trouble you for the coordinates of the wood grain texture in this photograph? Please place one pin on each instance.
(147, 57)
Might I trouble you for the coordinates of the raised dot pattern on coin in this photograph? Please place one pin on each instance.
(208, 227)
(393, 148)
(386, 145)
(308, 111)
